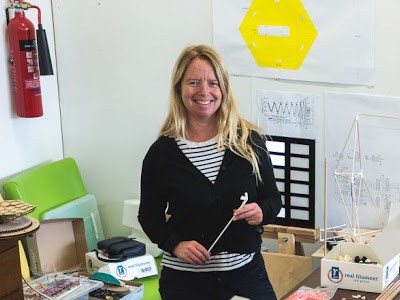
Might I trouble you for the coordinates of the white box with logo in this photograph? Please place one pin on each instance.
(134, 267)
(383, 249)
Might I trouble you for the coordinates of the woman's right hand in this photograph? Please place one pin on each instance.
(192, 252)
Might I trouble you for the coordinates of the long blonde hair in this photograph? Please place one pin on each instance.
(233, 130)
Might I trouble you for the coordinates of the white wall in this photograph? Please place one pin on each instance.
(27, 142)
(115, 62)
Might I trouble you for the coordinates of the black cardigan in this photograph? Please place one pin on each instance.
(199, 209)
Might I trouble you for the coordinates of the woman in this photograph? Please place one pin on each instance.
(205, 159)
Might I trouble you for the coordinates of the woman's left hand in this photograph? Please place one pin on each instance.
(251, 212)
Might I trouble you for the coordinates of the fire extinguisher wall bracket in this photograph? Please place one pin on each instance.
(25, 66)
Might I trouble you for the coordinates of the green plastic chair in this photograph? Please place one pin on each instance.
(47, 186)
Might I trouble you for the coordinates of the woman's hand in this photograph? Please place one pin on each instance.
(251, 212)
(192, 252)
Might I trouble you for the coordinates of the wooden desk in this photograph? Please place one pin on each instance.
(314, 280)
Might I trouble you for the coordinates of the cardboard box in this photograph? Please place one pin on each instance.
(57, 246)
(384, 249)
(135, 267)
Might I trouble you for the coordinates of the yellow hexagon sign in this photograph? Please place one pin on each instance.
(278, 33)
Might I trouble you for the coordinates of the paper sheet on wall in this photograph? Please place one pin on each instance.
(324, 40)
(378, 135)
(289, 114)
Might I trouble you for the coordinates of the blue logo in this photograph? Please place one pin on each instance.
(121, 271)
(335, 275)
(90, 264)
(387, 274)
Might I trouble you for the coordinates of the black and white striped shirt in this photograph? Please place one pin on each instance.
(206, 157)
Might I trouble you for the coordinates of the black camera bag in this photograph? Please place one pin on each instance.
(120, 248)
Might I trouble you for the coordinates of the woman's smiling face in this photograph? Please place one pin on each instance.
(201, 93)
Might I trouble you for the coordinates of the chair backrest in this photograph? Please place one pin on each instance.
(47, 186)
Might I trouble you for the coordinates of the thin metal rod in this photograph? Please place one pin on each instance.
(326, 208)
(379, 116)
(345, 144)
(344, 203)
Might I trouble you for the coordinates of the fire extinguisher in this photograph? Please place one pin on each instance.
(24, 59)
